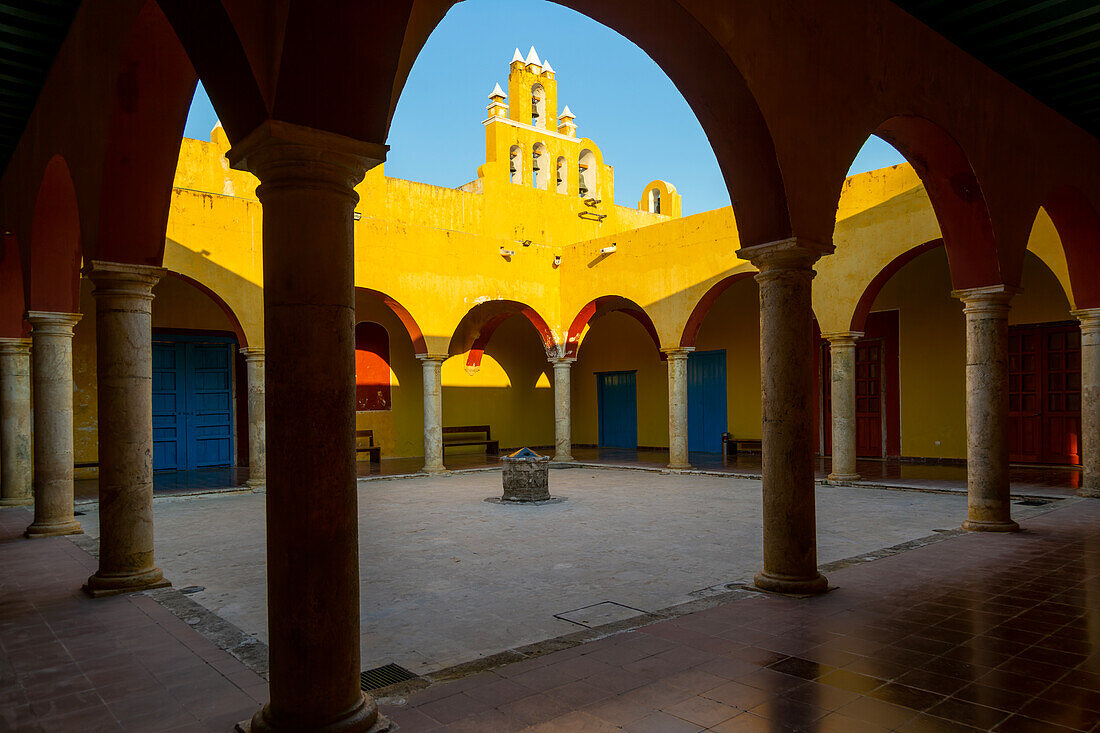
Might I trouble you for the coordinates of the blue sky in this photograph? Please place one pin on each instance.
(622, 100)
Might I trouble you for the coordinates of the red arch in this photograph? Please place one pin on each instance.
(601, 306)
(55, 248)
(478, 325)
(403, 315)
(235, 322)
(863, 307)
(154, 88)
(702, 308)
(12, 302)
(956, 196)
(1078, 227)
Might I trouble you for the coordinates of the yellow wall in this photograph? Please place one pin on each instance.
(733, 324)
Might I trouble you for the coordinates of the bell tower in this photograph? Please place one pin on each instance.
(533, 91)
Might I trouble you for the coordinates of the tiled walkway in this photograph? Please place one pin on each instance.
(70, 663)
(978, 632)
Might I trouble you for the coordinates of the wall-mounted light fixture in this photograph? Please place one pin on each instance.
(557, 260)
(526, 243)
(506, 252)
(356, 215)
(608, 249)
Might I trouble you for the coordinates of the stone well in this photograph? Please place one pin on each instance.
(525, 476)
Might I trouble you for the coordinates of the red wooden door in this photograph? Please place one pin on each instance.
(869, 398)
(1062, 387)
(1025, 421)
(869, 402)
(1044, 393)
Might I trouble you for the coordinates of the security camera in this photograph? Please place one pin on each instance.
(557, 260)
(608, 249)
(506, 252)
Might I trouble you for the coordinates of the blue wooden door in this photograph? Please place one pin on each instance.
(617, 405)
(192, 403)
(210, 405)
(706, 401)
(169, 413)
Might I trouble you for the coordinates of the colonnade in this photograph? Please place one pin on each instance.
(304, 382)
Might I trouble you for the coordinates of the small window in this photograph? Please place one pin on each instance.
(655, 201)
(586, 170)
(563, 176)
(540, 176)
(538, 106)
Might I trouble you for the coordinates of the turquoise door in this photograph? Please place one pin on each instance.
(617, 406)
(192, 403)
(706, 401)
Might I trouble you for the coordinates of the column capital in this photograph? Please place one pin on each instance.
(252, 353)
(678, 352)
(15, 347)
(53, 323)
(1089, 318)
(563, 361)
(433, 357)
(793, 253)
(280, 152)
(118, 278)
(842, 338)
(991, 299)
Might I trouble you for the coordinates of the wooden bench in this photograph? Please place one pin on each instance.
(375, 451)
(732, 445)
(492, 447)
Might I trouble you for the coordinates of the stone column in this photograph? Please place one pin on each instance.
(563, 430)
(124, 373)
(15, 422)
(989, 508)
(677, 407)
(787, 389)
(52, 349)
(307, 180)
(1090, 401)
(257, 442)
(433, 412)
(842, 355)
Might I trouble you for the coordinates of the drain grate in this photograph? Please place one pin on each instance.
(379, 677)
(1033, 502)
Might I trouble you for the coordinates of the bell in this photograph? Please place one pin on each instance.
(511, 166)
(535, 164)
(583, 190)
(559, 179)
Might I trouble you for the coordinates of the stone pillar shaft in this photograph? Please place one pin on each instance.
(52, 349)
(15, 422)
(787, 387)
(257, 440)
(1090, 401)
(989, 507)
(433, 412)
(124, 368)
(563, 431)
(307, 180)
(842, 356)
(678, 407)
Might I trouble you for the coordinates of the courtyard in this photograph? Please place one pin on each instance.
(447, 578)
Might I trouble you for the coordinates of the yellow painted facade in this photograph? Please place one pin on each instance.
(555, 241)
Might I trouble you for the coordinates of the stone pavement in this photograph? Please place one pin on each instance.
(977, 632)
(71, 663)
(448, 578)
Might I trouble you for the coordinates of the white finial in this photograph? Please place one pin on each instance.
(546, 67)
(517, 56)
(497, 92)
(566, 114)
(533, 58)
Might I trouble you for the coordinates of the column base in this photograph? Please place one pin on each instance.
(434, 470)
(112, 584)
(256, 483)
(679, 467)
(979, 525)
(53, 530)
(843, 477)
(791, 585)
(17, 501)
(365, 718)
(566, 459)
(1089, 492)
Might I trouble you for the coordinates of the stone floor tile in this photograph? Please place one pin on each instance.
(702, 711)
(662, 723)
